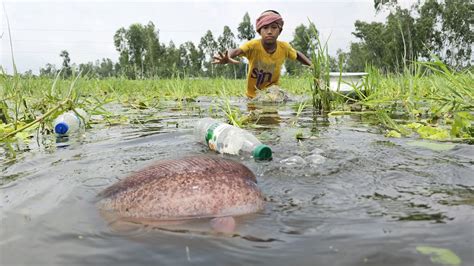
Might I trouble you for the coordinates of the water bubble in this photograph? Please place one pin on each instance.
(315, 159)
(317, 151)
(293, 161)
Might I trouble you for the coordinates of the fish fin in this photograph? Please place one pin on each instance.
(223, 224)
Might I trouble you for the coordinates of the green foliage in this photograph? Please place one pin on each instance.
(431, 27)
(245, 29)
(457, 33)
(388, 46)
(434, 101)
(304, 38)
(209, 47)
(320, 60)
(225, 42)
(232, 113)
(29, 103)
(378, 4)
(190, 59)
(66, 70)
(139, 50)
(462, 126)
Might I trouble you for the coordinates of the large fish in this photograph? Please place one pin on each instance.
(182, 189)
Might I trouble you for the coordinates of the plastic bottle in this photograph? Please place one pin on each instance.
(224, 138)
(70, 122)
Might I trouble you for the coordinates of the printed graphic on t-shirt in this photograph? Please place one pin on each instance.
(262, 73)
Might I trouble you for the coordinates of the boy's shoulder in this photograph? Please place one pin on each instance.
(256, 43)
(253, 43)
(283, 44)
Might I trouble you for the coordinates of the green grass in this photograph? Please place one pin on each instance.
(429, 95)
(429, 100)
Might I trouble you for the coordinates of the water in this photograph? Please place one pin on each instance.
(353, 197)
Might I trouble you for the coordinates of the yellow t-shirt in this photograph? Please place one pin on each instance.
(265, 68)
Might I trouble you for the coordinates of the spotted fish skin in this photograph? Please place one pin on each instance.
(186, 188)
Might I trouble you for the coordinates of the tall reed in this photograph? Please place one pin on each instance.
(321, 93)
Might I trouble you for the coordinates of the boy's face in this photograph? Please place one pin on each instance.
(270, 33)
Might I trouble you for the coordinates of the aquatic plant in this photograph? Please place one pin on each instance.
(320, 74)
(233, 114)
(439, 100)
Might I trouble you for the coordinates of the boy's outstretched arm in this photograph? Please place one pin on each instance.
(227, 56)
(303, 59)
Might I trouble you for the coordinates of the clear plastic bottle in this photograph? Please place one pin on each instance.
(70, 122)
(224, 138)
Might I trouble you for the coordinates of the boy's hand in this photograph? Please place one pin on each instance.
(223, 58)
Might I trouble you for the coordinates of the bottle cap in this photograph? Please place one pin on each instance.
(61, 128)
(262, 152)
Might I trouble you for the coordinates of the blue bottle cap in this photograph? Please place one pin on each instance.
(61, 128)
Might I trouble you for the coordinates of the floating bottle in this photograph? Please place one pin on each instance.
(224, 138)
(70, 122)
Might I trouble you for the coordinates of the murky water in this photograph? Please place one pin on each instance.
(344, 195)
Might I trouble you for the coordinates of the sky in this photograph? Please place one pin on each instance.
(41, 29)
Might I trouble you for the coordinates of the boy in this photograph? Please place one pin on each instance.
(265, 55)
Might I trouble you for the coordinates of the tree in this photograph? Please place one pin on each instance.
(66, 70)
(427, 30)
(225, 42)
(190, 58)
(457, 32)
(87, 70)
(304, 40)
(105, 68)
(140, 50)
(245, 29)
(431, 27)
(208, 46)
(170, 61)
(379, 4)
(357, 58)
(121, 45)
(389, 46)
(136, 44)
(48, 71)
(153, 51)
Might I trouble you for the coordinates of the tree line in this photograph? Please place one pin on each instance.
(441, 28)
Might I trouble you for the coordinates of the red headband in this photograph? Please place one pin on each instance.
(268, 18)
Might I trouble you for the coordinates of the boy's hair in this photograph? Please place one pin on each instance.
(271, 10)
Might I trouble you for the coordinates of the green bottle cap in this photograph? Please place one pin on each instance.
(262, 152)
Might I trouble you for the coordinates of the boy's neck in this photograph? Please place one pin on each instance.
(269, 47)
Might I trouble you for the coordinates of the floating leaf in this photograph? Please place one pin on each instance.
(432, 145)
(393, 134)
(414, 125)
(433, 133)
(440, 255)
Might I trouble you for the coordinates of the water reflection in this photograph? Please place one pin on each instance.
(263, 114)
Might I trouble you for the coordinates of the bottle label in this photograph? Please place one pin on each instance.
(213, 135)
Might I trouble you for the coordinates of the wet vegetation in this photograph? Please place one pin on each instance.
(434, 102)
(422, 85)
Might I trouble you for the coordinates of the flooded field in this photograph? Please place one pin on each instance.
(341, 195)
